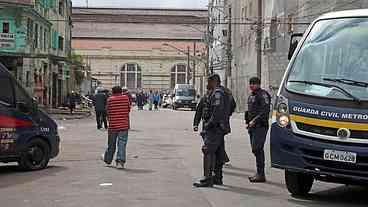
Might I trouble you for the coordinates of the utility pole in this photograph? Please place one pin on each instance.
(229, 47)
(87, 3)
(259, 39)
(194, 64)
(188, 65)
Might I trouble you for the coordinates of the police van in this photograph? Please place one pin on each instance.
(184, 96)
(320, 122)
(27, 134)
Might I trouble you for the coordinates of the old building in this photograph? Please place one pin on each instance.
(142, 48)
(280, 19)
(35, 44)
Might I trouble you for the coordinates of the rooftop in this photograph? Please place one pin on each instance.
(139, 23)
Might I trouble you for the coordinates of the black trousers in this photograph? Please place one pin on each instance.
(258, 138)
(213, 153)
(101, 118)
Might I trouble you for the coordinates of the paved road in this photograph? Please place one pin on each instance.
(164, 159)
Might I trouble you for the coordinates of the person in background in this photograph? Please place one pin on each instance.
(150, 100)
(118, 109)
(100, 101)
(156, 100)
(140, 100)
(72, 101)
(257, 120)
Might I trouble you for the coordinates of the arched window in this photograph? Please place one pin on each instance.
(131, 76)
(179, 75)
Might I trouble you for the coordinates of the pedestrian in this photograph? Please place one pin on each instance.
(156, 100)
(150, 100)
(118, 109)
(257, 121)
(72, 101)
(100, 101)
(140, 100)
(214, 131)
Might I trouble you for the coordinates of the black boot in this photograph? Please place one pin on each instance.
(204, 183)
(208, 166)
(258, 179)
(218, 181)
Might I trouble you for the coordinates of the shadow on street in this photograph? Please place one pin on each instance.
(340, 196)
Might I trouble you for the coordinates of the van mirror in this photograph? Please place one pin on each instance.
(294, 41)
(34, 105)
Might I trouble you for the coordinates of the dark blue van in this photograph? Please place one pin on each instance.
(27, 134)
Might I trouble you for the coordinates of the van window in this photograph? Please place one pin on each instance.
(336, 49)
(6, 92)
(21, 95)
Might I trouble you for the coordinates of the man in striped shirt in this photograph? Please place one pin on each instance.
(118, 109)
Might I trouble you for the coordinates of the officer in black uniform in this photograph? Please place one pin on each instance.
(214, 130)
(257, 120)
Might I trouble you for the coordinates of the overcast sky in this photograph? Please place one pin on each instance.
(144, 3)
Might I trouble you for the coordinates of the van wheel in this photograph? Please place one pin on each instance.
(298, 184)
(36, 155)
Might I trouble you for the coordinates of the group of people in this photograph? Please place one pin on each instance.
(152, 98)
(215, 110)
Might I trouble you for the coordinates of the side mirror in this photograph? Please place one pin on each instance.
(294, 44)
(34, 105)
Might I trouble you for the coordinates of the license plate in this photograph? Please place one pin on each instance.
(340, 156)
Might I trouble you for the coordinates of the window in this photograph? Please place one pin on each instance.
(45, 40)
(36, 36)
(21, 95)
(131, 76)
(29, 29)
(178, 75)
(6, 27)
(41, 37)
(61, 43)
(6, 92)
(61, 7)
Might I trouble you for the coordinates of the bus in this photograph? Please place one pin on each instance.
(320, 119)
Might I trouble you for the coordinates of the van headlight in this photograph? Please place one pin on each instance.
(282, 108)
(282, 112)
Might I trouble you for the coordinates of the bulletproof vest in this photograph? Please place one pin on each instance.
(255, 108)
(224, 122)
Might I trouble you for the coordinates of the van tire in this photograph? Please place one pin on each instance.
(298, 184)
(36, 155)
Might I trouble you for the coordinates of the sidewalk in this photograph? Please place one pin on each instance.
(64, 113)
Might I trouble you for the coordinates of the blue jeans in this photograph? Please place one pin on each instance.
(121, 138)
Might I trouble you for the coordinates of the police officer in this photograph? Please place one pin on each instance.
(214, 129)
(257, 120)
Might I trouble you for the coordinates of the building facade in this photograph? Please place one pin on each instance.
(280, 19)
(35, 45)
(151, 49)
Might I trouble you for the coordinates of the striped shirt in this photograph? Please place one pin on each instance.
(118, 109)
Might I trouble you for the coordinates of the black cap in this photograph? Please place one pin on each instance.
(255, 81)
(214, 77)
